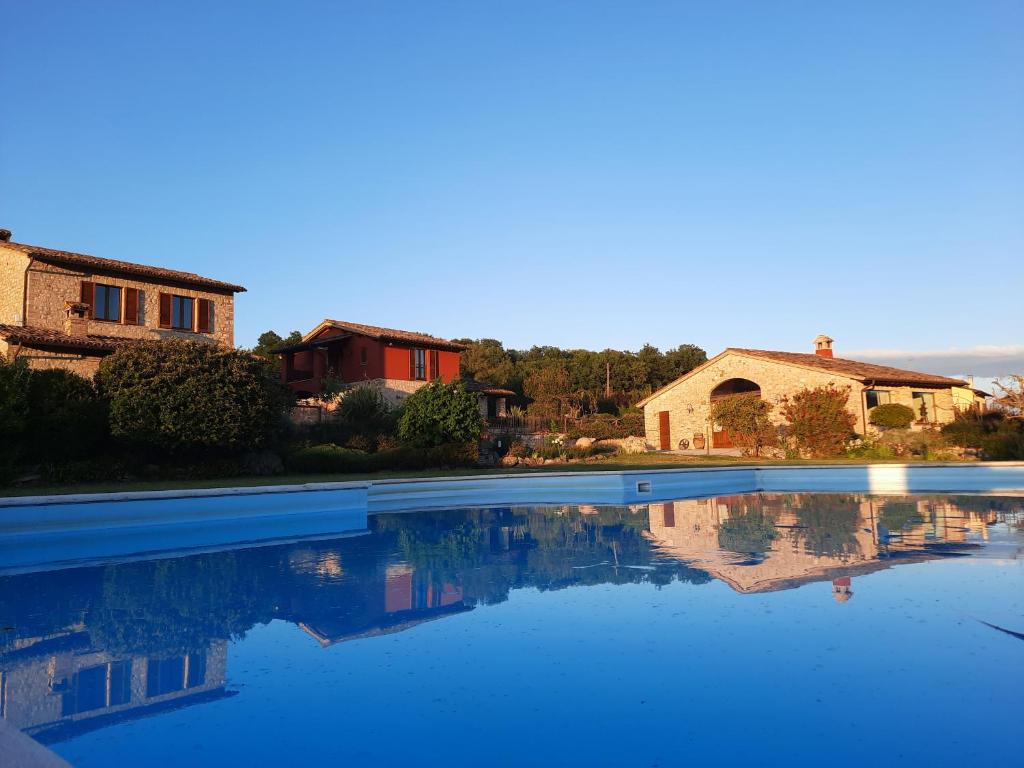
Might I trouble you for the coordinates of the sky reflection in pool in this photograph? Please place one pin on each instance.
(757, 629)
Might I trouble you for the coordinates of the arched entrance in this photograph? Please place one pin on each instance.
(730, 388)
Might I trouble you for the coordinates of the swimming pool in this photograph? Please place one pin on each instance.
(756, 628)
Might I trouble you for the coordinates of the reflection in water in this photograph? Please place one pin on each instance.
(84, 648)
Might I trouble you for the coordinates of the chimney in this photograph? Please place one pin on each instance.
(76, 318)
(5, 235)
(823, 346)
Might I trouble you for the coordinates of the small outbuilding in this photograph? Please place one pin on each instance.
(678, 416)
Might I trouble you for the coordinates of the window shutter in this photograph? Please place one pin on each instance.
(88, 295)
(412, 365)
(131, 306)
(435, 364)
(165, 310)
(203, 316)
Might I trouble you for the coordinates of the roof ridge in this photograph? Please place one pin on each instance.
(131, 267)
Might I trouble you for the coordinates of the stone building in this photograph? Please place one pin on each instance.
(678, 416)
(69, 310)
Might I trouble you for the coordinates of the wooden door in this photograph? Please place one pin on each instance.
(721, 440)
(664, 432)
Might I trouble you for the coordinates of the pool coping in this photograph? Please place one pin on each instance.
(260, 490)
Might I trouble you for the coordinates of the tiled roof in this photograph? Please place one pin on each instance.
(882, 374)
(45, 337)
(392, 334)
(472, 385)
(122, 267)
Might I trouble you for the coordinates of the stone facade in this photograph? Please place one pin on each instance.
(688, 400)
(35, 292)
(51, 285)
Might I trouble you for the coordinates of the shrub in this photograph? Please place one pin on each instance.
(819, 422)
(996, 436)
(439, 414)
(328, 459)
(67, 418)
(14, 379)
(365, 412)
(606, 427)
(747, 419)
(182, 396)
(891, 416)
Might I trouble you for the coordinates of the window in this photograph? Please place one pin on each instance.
(107, 303)
(419, 364)
(875, 397)
(362, 355)
(924, 406)
(182, 309)
(105, 685)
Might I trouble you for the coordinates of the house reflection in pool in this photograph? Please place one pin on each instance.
(766, 542)
(85, 648)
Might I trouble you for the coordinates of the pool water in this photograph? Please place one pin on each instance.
(764, 629)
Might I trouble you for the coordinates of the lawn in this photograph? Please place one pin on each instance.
(611, 464)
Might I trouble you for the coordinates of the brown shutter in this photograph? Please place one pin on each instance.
(88, 295)
(412, 365)
(165, 310)
(203, 316)
(131, 306)
(435, 364)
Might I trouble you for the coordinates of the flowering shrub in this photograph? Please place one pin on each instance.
(819, 422)
(747, 419)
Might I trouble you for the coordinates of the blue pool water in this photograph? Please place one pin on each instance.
(745, 630)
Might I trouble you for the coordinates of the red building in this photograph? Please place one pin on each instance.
(396, 362)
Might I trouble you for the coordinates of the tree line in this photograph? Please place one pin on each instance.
(577, 381)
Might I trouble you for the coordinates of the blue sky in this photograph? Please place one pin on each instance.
(595, 174)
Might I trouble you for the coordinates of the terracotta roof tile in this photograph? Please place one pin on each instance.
(882, 374)
(122, 267)
(392, 334)
(46, 337)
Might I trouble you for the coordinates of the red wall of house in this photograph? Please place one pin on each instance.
(396, 363)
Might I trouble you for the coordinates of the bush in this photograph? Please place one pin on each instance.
(439, 414)
(97, 470)
(364, 412)
(819, 422)
(606, 427)
(178, 397)
(891, 416)
(67, 417)
(333, 459)
(747, 419)
(994, 435)
(14, 412)
(328, 459)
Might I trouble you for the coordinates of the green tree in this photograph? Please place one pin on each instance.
(440, 414)
(747, 419)
(181, 396)
(819, 421)
(268, 341)
(486, 360)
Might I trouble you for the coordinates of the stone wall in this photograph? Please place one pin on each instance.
(45, 359)
(12, 285)
(50, 286)
(689, 401)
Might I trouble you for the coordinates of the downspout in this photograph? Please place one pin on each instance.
(24, 292)
(863, 405)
